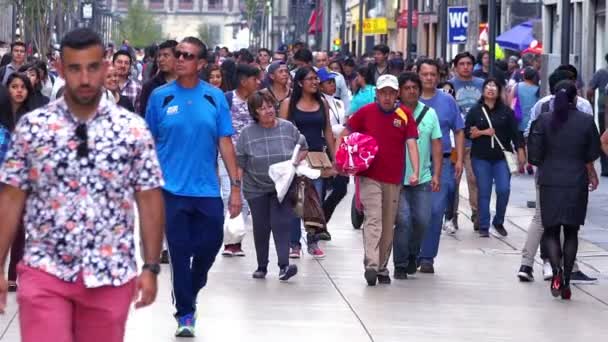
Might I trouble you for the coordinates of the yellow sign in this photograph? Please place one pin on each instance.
(375, 26)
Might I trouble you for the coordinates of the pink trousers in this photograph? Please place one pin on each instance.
(54, 310)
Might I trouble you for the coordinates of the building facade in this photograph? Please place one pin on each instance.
(181, 18)
(588, 34)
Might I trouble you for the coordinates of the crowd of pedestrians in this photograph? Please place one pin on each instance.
(187, 135)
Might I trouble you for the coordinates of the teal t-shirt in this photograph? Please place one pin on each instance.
(363, 97)
(428, 129)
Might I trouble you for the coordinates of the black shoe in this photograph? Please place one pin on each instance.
(12, 287)
(164, 257)
(579, 277)
(412, 265)
(400, 273)
(484, 234)
(371, 276)
(260, 273)
(475, 220)
(384, 279)
(500, 229)
(288, 272)
(324, 235)
(525, 274)
(427, 267)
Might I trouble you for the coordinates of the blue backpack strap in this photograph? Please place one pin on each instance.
(229, 97)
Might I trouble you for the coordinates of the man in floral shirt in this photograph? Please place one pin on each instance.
(76, 166)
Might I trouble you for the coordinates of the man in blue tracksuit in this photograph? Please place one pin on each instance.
(190, 120)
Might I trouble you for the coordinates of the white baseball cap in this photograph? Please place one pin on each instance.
(387, 81)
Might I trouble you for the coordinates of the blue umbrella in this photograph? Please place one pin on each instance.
(518, 38)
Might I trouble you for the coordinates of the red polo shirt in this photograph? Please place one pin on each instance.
(390, 131)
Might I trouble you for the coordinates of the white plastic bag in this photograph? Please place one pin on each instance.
(234, 230)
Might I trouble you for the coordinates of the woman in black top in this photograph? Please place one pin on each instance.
(307, 109)
(20, 91)
(564, 144)
(36, 99)
(489, 164)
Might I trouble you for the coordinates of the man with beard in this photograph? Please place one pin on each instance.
(78, 164)
(128, 86)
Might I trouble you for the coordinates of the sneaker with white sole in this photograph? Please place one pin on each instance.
(186, 325)
(315, 251)
(449, 227)
(579, 277)
(287, 272)
(238, 250)
(295, 252)
(228, 251)
(547, 270)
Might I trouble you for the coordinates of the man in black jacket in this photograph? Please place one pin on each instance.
(166, 67)
(380, 65)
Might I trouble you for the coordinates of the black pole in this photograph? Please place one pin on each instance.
(443, 15)
(360, 41)
(343, 25)
(327, 24)
(14, 23)
(492, 27)
(410, 29)
(565, 59)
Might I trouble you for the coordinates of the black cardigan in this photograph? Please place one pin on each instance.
(505, 126)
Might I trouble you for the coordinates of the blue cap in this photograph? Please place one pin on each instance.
(325, 75)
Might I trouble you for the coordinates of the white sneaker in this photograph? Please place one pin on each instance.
(547, 270)
(449, 227)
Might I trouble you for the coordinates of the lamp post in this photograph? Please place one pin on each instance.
(360, 33)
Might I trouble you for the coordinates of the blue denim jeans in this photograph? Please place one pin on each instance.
(439, 201)
(413, 218)
(296, 228)
(487, 173)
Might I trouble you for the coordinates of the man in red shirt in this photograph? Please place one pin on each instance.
(393, 127)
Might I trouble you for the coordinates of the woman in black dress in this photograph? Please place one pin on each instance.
(564, 143)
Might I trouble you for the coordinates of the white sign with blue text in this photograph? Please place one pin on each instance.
(458, 21)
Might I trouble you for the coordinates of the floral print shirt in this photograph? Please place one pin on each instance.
(79, 214)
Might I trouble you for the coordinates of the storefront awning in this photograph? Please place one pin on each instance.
(518, 38)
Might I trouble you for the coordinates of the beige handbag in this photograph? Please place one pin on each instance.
(509, 156)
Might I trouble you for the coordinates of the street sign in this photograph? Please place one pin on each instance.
(375, 26)
(458, 21)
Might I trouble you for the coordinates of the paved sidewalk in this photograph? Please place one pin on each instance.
(474, 296)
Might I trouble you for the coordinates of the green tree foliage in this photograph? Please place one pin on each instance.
(139, 26)
(37, 18)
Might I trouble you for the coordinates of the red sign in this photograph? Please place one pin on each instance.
(402, 20)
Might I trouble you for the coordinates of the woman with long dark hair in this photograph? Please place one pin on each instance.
(307, 109)
(564, 144)
(36, 99)
(216, 79)
(229, 74)
(19, 91)
(491, 125)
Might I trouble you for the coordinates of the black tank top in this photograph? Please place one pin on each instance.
(311, 125)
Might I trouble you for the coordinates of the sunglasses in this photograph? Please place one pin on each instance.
(83, 148)
(187, 55)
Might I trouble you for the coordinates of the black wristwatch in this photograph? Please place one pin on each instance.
(236, 183)
(154, 268)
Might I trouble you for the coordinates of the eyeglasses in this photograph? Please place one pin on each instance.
(187, 55)
(448, 91)
(83, 148)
